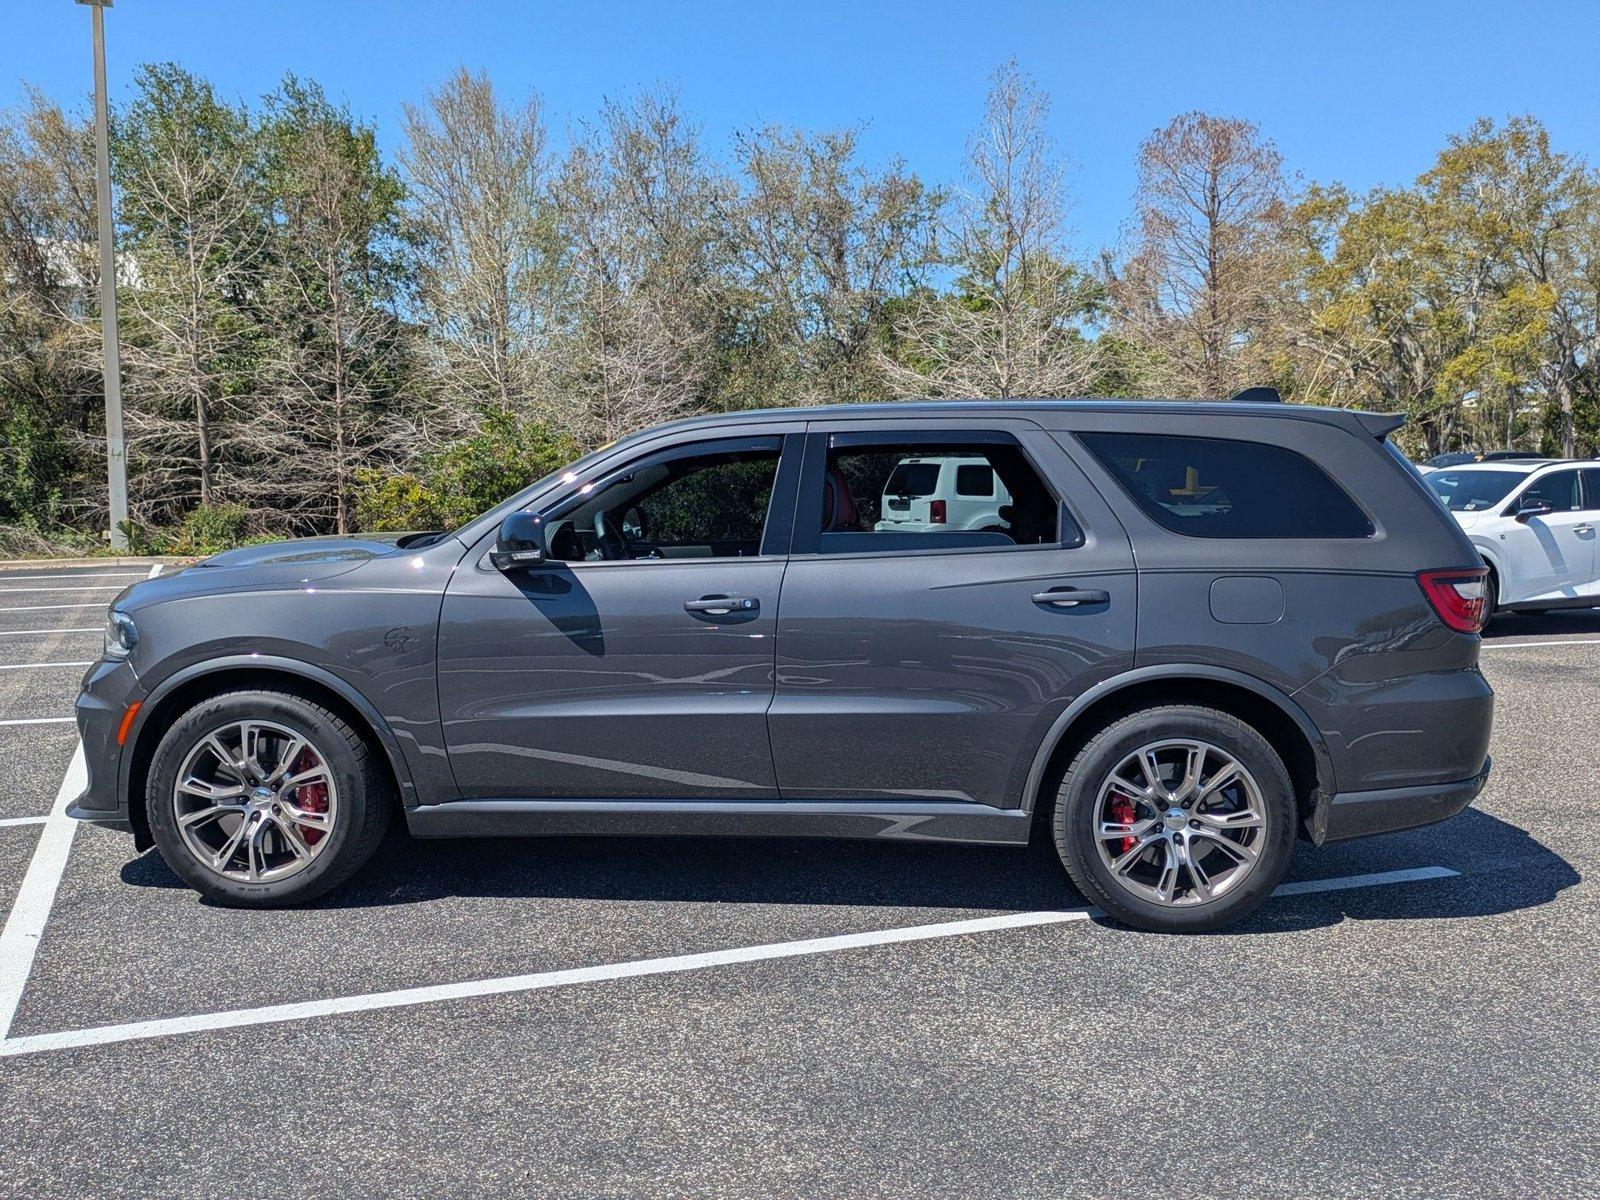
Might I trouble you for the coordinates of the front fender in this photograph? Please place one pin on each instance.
(260, 664)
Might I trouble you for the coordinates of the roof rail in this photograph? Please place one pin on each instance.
(1256, 395)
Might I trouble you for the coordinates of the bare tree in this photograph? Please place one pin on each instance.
(640, 271)
(476, 174)
(1016, 323)
(1197, 292)
(195, 230)
(826, 244)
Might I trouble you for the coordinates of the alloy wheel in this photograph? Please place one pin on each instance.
(1179, 822)
(255, 801)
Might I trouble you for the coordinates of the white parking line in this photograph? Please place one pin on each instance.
(4, 578)
(37, 720)
(19, 940)
(99, 587)
(43, 666)
(1548, 642)
(38, 632)
(8, 822)
(273, 1014)
(52, 607)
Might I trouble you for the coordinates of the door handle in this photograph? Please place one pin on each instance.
(722, 606)
(1583, 529)
(1069, 597)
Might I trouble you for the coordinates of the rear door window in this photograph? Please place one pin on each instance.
(1591, 489)
(1221, 488)
(897, 492)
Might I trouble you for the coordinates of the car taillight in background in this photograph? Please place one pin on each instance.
(1458, 596)
(936, 512)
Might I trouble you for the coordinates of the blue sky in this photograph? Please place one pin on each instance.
(1360, 92)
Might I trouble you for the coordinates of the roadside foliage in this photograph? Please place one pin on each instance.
(318, 338)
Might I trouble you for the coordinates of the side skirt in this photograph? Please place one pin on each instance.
(1558, 602)
(931, 821)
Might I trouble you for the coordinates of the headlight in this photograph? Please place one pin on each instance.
(121, 635)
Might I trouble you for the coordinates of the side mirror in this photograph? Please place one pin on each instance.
(520, 542)
(1532, 506)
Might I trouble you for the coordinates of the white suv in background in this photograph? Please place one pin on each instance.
(954, 491)
(1535, 523)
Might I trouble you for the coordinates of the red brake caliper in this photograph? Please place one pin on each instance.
(312, 797)
(1121, 811)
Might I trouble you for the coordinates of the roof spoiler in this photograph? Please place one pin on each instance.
(1380, 425)
(1256, 395)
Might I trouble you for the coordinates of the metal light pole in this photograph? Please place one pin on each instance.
(116, 463)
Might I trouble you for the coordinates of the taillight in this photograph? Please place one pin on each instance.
(1458, 596)
(936, 512)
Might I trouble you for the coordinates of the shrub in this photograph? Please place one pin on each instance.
(462, 479)
(211, 528)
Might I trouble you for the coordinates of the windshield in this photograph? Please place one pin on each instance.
(1473, 491)
(913, 479)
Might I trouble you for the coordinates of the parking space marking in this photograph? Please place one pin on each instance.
(8, 822)
(98, 587)
(274, 1014)
(51, 607)
(4, 578)
(42, 666)
(1304, 887)
(37, 632)
(37, 720)
(1545, 642)
(156, 570)
(19, 940)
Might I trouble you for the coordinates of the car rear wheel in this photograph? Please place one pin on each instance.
(260, 799)
(1176, 819)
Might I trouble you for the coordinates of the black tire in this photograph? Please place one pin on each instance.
(1491, 597)
(1073, 819)
(364, 798)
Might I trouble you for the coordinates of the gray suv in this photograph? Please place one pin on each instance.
(1196, 632)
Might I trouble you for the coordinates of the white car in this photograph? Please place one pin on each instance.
(934, 492)
(1534, 521)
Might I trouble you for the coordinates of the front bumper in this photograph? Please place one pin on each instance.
(108, 689)
(1347, 815)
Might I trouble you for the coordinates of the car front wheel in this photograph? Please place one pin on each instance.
(1176, 819)
(264, 798)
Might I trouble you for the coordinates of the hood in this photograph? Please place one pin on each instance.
(273, 566)
(314, 558)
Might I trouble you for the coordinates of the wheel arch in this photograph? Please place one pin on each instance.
(194, 683)
(1270, 711)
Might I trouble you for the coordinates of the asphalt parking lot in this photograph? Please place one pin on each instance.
(1416, 1016)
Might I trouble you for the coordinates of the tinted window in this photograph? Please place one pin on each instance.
(695, 506)
(1591, 489)
(1473, 491)
(1211, 487)
(913, 479)
(975, 481)
(902, 495)
(1559, 488)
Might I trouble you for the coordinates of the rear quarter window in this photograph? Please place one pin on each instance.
(1221, 488)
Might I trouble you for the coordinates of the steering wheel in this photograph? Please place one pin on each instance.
(608, 535)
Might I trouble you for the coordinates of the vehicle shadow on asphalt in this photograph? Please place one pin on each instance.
(1513, 626)
(1502, 870)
